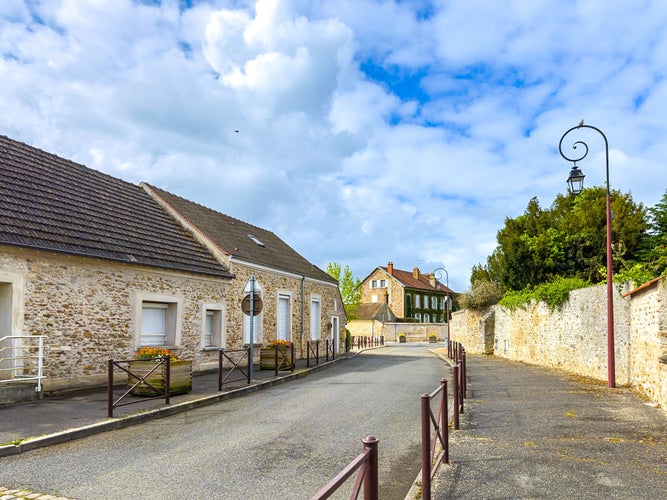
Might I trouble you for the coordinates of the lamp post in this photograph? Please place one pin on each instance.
(576, 182)
(438, 275)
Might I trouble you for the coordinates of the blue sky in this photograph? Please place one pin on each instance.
(359, 131)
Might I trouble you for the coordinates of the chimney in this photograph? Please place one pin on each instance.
(390, 268)
(432, 280)
(415, 273)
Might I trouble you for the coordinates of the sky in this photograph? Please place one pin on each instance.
(358, 131)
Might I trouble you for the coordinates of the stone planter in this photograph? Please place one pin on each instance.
(432, 340)
(401, 339)
(180, 377)
(267, 358)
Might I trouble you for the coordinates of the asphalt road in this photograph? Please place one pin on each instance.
(283, 442)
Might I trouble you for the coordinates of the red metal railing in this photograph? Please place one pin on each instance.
(364, 342)
(330, 347)
(440, 421)
(236, 366)
(141, 379)
(367, 463)
(315, 351)
(283, 362)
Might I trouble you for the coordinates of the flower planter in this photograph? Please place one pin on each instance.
(401, 339)
(180, 377)
(432, 340)
(267, 358)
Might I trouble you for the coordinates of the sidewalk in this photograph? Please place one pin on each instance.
(30, 425)
(532, 432)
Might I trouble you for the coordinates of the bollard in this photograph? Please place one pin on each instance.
(371, 490)
(444, 424)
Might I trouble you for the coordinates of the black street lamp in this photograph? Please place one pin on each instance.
(438, 275)
(576, 182)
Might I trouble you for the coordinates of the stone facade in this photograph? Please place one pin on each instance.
(574, 336)
(393, 294)
(301, 292)
(87, 309)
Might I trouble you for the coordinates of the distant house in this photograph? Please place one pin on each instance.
(408, 294)
(100, 266)
(370, 319)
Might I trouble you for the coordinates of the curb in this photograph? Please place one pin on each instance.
(138, 418)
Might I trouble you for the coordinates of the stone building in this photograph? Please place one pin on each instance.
(95, 267)
(300, 301)
(409, 294)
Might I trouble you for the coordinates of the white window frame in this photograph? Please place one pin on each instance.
(315, 322)
(418, 301)
(173, 317)
(418, 317)
(217, 312)
(383, 283)
(284, 296)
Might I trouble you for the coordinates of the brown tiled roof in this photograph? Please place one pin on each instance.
(231, 236)
(409, 281)
(372, 311)
(50, 203)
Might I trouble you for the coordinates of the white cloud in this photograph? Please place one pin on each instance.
(360, 131)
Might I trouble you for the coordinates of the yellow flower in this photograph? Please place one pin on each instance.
(154, 352)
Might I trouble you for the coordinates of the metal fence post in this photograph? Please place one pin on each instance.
(426, 446)
(167, 381)
(110, 390)
(371, 490)
(444, 421)
(455, 391)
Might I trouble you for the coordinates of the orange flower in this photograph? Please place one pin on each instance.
(154, 352)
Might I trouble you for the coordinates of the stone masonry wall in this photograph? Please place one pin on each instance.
(574, 336)
(275, 283)
(648, 362)
(86, 309)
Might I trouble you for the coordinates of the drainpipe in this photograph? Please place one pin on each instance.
(303, 312)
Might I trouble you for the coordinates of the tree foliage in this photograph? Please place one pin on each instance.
(568, 240)
(349, 285)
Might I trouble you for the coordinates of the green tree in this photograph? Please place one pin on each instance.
(349, 285)
(567, 240)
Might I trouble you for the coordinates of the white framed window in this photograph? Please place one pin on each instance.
(213, 327)
(383, 283)
(374, 283)
(434, 302)
(427, 318)
(418, 317)
(418, 300)
(158, 321)
(284, 323)
(315, 317)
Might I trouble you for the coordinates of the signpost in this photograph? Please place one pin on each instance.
(251, 305)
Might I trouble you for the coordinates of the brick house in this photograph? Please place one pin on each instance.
(100, 266)
(409, 294)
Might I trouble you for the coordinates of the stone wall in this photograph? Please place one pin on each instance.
(86, 309)
(648, 361)
(414, 332)
(574, 336)
(301, 291)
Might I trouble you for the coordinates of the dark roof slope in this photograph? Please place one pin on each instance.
(232, 236)
(50, 203)
(408, 280)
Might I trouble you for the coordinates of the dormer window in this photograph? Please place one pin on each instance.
(256, 240)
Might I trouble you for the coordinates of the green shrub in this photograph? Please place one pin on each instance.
(553, 293)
